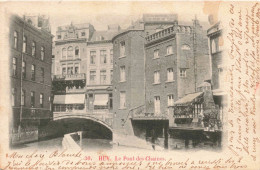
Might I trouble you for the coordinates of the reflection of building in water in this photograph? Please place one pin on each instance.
(30, 53)
(82, 68)
(217, 66)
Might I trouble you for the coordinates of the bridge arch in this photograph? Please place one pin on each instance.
(92, 118)
(93, 127)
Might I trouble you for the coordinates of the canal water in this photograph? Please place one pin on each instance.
(104, 144)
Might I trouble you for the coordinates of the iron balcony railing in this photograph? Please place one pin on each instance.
(80, 76)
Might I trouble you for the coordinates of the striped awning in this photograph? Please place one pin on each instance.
(101, 100)
(69, 99)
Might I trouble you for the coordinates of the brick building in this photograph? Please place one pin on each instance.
(129, 67)
(177, 62)
(30, 73)
(128, 75)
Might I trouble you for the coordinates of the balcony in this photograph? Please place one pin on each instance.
(167, 32)
(80, 76)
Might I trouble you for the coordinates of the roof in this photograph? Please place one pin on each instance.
(103, 35)
(188, 98)
(218, 92)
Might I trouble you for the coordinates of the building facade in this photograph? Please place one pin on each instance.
(176, 63)
(83, 70)
(217, 67)
(100, 70)
(30, 73)
(129, 68)
(70, 64)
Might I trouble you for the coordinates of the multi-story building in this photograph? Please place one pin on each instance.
(30, 68)
(217, 65)
(129, 67)
(70, 66)
(83, 69)
(100, 70)
(128, 76)
(176, 63)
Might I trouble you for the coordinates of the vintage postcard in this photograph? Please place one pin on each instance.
(130, 85)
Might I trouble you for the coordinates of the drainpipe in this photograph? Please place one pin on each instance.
(21, 89)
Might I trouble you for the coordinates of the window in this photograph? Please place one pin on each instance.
(24, 69)
(14, 66)
(220, 77)
(33, 72)
(32, 99)
(92, 77)
(103, 77)
(64, 69)
(70, 52)
(76, 51)
(157, 105)
(24, 44)
(42, 75)
(111, 56)
(76, 68)
(185, 47)
(33, 49)
(41, 99)
(122, 49)
(213, 46)
(59, 36)
(156, 54)
(182, 72)
(111, 76)
(156, 77)
(92, 57)
(42, 53)
(23, 97)
(169, 50)
(13, 96)
(103, 56)
(64, 53)
(70, 68)
(122, 73)
(15, 39)
(170, 75)
(170, 100)
(83, 34)
(122, 100)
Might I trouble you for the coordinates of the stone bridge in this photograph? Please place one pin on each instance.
(96, 125)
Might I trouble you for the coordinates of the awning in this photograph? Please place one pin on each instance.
(188, 98)
(101, 100)
(69, 99)
(218, 92)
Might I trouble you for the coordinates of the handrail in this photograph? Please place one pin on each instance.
(130, 111)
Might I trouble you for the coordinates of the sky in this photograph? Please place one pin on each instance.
(102, 13)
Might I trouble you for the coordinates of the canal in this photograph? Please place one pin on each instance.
(105, 144)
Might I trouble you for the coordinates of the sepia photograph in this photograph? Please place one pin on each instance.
(101, 77)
